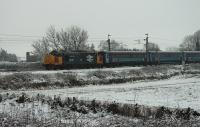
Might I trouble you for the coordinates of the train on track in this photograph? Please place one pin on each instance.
(84, 59)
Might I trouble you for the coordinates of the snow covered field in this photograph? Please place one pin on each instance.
(174, 86)
(68, 78)
(178, 92)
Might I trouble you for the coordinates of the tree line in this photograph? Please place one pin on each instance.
(5, 56)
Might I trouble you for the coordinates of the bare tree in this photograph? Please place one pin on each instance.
(52, 38)
(77, 37)
(197, 40)
(41, 47)
(92, 48)
(63, 38)
(152, 47)
(72, 38)
(188, 44)
(191, 42)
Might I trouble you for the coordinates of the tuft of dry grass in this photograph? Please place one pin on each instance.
(23, 110)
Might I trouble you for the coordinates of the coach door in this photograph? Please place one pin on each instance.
(99, 58)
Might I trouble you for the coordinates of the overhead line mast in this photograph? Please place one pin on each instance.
(108, 42)
(147, 43)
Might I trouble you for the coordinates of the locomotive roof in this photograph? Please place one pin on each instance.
(54, 52)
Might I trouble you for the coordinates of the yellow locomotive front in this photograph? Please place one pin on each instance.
(52, 61)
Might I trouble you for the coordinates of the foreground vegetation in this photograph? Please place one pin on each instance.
(70, 78)
(23, 110)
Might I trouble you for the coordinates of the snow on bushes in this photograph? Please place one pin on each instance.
(20, 80)
(41, 110)
(70, 78)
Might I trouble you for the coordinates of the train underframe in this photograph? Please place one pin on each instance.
(79, 66)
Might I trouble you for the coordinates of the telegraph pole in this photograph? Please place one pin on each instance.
(108, 42)
(147, 43)
(197, 44)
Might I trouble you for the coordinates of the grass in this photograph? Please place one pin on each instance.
(43, 111)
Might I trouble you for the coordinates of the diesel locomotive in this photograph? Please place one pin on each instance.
(84, 59)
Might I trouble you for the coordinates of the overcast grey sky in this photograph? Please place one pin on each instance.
(166, 21)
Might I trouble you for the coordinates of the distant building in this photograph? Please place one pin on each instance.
(31, 57)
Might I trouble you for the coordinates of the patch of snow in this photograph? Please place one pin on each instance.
(179, 91)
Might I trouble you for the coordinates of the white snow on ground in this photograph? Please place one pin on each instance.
(6, 73)
(87, 70)
(78, 71)
(180, 91)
